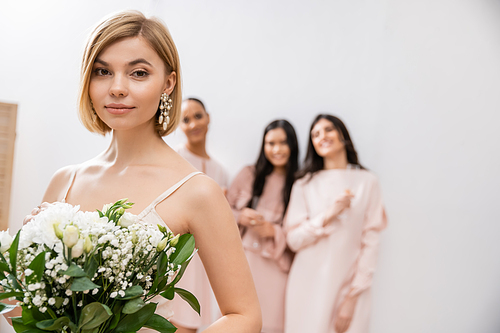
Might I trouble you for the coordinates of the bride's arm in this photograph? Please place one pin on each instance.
(218, 239)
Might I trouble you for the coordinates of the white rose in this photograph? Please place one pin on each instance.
(5, 240)
(127, 220)
(70, 236)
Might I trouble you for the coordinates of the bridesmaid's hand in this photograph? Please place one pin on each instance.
(341, 203)
(36, 211)
(264, 229)
(249, 218)
(345, 314)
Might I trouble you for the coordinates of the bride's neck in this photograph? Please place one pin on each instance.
(133, 147)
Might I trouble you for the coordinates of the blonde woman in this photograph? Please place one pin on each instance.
(130, 88)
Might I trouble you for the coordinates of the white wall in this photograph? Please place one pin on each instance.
(416, 82)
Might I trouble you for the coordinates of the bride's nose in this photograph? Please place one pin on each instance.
(118, 86)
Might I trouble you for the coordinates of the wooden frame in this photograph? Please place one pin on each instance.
(8, 116)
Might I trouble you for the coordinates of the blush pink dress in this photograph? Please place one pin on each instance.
(334, 260)
(269, 258)
(195, 278)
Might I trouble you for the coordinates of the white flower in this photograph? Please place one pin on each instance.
(95, 291)
(106, 207)
(87, 245)
(77, 250)
(52, 301)
(66, 301)
(28, 272)
(70, 236)
(5, 240)
(127, 220)
(113, 294)
(69, 292)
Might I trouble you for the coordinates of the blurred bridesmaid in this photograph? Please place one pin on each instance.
(333, 224)
(194, 123)
(259, 196)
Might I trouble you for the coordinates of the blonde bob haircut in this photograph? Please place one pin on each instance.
(124, 25)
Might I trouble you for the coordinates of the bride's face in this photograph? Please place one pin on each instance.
(128, 78)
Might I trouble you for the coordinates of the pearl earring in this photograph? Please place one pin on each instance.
(165, 106)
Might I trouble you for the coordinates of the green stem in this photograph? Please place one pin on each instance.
(74, 307)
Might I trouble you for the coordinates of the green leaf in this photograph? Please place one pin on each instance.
(133, 305)
(4, 308)
(13, 251)
(74, 271)
(169, 293)
(73, 327)
(53, 324)
(59, 302)
(183, 250)
(180, 273)
(91, 266)
(132, 292)
(134, 322)
(162, 284)
(160, 324)
(11, 294)
(161, 265)
(4, 267)
(189, 298)
(117, 309)
(93, 315)
(19, 327)
(82, 284)
(93, 330)
(27, 317)
(36, 313)
(38, 267)
(13, 282)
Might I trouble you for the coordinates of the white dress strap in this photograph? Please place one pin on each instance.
(71, 181)
(174, 188)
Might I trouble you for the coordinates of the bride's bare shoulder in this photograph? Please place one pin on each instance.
(58, 184)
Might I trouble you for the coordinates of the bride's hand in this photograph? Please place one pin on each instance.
(345, 313)
(36, 211)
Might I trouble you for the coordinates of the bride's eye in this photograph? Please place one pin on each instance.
(140, 73)
(101, 72)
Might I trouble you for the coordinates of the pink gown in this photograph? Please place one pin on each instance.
(195, 278)
(269, 259)
(334, 260)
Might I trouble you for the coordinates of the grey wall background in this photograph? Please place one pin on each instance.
(415, 81)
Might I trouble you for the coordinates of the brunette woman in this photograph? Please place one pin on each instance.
(259, 196)
(333, 224)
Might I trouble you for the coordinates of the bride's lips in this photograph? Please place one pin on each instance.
(118, 109)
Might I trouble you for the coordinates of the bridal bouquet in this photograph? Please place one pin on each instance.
(91, 272)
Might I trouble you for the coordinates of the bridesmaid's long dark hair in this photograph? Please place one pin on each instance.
(263, 167)
(313, 162)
